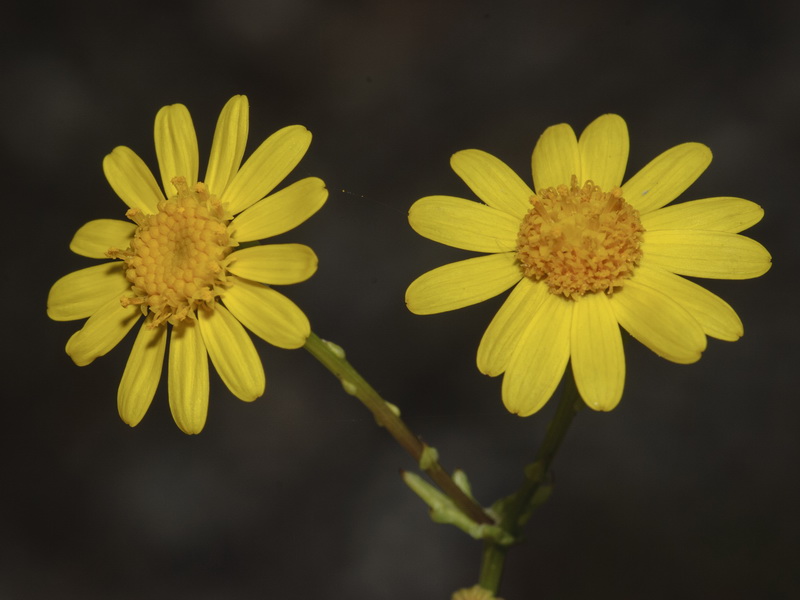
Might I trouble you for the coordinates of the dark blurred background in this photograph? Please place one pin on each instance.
(687, 490)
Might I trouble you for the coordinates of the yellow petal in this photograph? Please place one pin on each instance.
(556, 157)
(276, 264)
(711, 254)
(104, 330)
(142, 374)
(464, 224)
(501, 337)
(462, 283)
(538, 363)
(658, 322)
(188, 377)
(272, 161)
(280, 212)
(603, 147)
(96, 237)
(227, 149)
(267, 313)
(79, 294)
(715, 316)
(716, 214)
(176, 146)
(598, 360)
(132, 180)
(666, 177)
(232, 353)
(493, 181)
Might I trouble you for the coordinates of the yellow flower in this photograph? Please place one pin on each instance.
(476, 592)
(586, 254)
(178, 263)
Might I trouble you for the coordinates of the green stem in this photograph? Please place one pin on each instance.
(517, 508)
(332, 358)
(492, 562)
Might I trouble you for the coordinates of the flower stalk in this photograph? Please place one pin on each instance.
(333, 358)
(515, 510)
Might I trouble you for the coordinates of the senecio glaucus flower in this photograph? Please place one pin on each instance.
(188, 265)
(585, 254)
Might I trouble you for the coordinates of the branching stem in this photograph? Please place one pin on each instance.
(333, 358)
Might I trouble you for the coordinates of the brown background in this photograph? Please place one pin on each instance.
(687, 490)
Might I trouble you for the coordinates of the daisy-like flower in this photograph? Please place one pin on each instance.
(586, 254)
(189, 262)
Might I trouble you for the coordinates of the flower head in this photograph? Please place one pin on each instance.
(188, 261)
(586, 253)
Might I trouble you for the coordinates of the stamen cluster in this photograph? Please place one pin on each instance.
(176, 260)
(580, 239)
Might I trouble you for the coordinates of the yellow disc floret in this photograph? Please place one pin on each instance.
(580, 239)
(176, 260)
